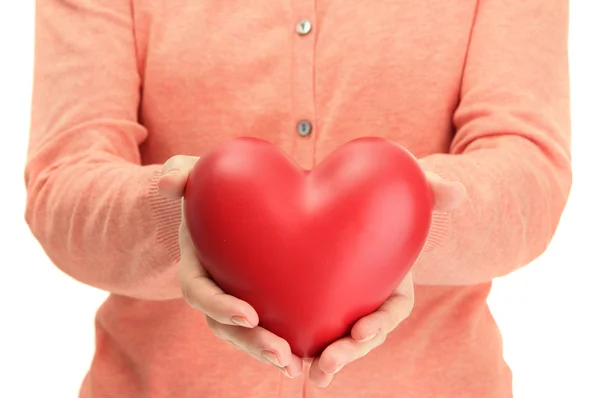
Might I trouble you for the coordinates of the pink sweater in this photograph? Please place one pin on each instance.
(477, 90)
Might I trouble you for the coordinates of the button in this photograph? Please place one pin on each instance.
(304, 128)
(304, 27)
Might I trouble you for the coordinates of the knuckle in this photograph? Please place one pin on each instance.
(261, 340)
(215, 300)
(216, 328)
(186, 292)
(172, 163)
(380, 340)
(265, 342)
(336, 351)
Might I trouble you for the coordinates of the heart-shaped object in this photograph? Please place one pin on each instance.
(311, 251)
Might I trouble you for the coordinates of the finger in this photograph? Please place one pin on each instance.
(387, 317)
(174, 175)
(261, 344)
(339, 354)
(447, 194)
(181, 163)
(367, 334)
(201, 292)
(317, 376)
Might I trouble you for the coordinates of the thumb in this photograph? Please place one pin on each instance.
(447, 195)
(174, 175)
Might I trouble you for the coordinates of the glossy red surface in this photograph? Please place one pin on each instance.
(314, 251)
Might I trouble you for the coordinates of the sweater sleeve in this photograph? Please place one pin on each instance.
(92, 206)
(511, 148)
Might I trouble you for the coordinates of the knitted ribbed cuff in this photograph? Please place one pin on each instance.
(440, 222)
(438, 232)
(167, 215)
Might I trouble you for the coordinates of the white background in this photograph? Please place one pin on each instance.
(548, 312)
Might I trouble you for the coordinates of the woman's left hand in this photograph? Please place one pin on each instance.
(371, 331)
(368, 333)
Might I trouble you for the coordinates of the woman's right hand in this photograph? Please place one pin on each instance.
(229, 318)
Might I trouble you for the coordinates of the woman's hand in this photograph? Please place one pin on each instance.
(229, 318)
(371, 331)
(236, 321)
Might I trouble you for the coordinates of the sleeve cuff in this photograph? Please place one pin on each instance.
(167, 216)
(438, 231)
(440, 221)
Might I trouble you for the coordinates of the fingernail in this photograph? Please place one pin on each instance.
(371, 337)
(326, 383)
(271, 357)
(335, 371)
(170, 173)
(241, 321)
(284, 371)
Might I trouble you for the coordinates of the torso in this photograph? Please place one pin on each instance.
(388, 69)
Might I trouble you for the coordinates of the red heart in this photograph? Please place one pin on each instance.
(312, 252)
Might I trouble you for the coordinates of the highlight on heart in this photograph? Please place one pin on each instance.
(311, 252)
